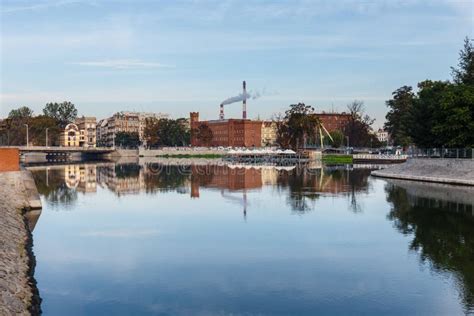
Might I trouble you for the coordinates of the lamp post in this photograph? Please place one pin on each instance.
(47, 137)
(347, 137)
(27, 140)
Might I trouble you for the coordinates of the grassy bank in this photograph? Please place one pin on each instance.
(208, 156)
(337, 159)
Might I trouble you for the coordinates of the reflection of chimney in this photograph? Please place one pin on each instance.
(244, 102)
(221, 113)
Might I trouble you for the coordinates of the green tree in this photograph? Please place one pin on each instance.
(167, 132)
(359, 128)
(425, 113)
(204, 134)
(127, 139)
(22, 113)
(38, 126)
(301, 125)
(14, 132)
(64, 112)
(455, 124)
(337, 138)
(464, 74)
(399, 118)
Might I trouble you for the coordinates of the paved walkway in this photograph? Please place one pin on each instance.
(18, 292)
(450, 171)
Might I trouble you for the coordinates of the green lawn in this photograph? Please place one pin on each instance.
(337, 159)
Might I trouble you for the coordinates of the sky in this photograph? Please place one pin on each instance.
(181, 56)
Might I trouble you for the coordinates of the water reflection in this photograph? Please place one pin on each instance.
(177, 234)
(441, 220)
(60, 184)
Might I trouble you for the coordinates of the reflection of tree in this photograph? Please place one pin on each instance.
(51, 185)
(306, 186)
(165, 178)
(129, 170)
(443, 238)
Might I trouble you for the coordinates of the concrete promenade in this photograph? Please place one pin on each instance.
(20, 208)
(449, 171)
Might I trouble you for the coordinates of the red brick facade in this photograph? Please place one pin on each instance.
(334, 121)
(9, 159)
(229, 133)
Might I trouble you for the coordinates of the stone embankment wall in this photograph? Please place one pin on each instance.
(179, 151)
(450, 171)
(18, 199)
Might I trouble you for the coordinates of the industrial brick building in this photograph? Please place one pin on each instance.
(334, 121)
(228, 132)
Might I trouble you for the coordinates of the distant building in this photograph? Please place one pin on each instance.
(382, 135)
(334, 121)
(87, 127)
(127, 122)
(269, 133)
(228, 132)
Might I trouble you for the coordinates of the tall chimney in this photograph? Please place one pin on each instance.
(244, 102)
(221, 113)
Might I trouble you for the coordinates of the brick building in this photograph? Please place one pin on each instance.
(228, 132)
(334, 121)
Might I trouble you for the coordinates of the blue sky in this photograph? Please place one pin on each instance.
(181, 56)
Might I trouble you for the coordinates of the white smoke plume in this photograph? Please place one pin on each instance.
(240, 97)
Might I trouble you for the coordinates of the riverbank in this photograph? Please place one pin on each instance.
(449, 171)
(19, 210)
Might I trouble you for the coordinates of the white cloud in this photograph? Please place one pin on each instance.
(122, 64)
(38, 5)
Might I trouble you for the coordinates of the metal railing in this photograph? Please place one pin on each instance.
(444, 153)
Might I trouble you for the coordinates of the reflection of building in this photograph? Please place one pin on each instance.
(228, 132)
(269, 133)
(80, 134)
(334, 121)
(81, 177)
(224, 177)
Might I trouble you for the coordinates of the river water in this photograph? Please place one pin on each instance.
(210, 239)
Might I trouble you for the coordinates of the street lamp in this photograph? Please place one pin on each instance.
(27, 140)
(47, 136)
(347, 137)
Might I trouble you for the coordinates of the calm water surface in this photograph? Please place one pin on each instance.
(133, 239)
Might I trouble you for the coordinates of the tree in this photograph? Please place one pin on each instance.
(359, 128)
(166, 132)
(399, 118)
(64, 112)
(455, 124)
(38, 126)
(127, 139)
(22, 113)
(425, 113)
(464, 74)
(302, 124)
(14, 132)
(204, 134)
(337, 138)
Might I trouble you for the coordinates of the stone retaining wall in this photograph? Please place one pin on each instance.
(18, 291)
(450, 171)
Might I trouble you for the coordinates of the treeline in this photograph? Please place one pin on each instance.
(54, 118)
(300, 126)
(167, 132)
(440, 113)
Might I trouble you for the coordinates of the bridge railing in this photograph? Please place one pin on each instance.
(444, 153)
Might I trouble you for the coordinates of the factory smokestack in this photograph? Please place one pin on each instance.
(221, 113)
(244, 101)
